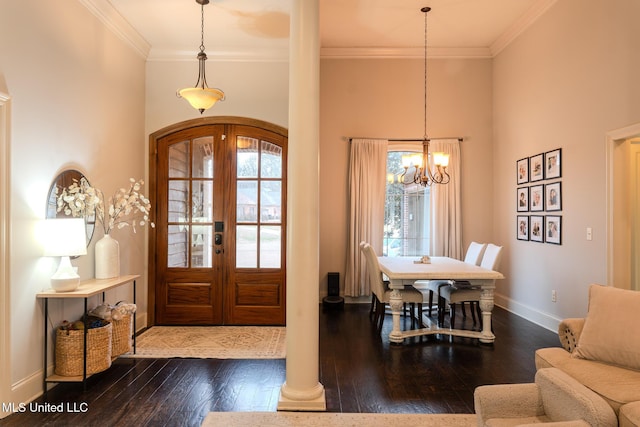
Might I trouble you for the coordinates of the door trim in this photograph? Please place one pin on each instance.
(153, 152)
(613, 138)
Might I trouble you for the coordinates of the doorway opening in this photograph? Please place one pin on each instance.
(216, 255)
(623, 207)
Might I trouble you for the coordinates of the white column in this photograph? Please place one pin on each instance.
(302, 390)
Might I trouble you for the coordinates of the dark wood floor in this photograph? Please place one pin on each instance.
(360, 370)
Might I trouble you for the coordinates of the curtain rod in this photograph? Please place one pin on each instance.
(349, 138)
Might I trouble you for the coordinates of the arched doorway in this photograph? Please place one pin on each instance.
(216, 255)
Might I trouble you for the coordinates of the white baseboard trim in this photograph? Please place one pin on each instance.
(544, 320)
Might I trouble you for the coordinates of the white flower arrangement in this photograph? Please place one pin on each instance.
(127, 207)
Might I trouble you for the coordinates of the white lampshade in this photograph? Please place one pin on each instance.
(64, 238)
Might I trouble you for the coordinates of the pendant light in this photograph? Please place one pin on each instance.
(201, 97)
(430, 168)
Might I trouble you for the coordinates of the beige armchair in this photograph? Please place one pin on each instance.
(555, 399)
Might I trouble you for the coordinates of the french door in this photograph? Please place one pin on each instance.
(217, 251)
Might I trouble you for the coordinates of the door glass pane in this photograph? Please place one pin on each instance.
(270, 201)
(271, 161)
(270, 245)
(247, 201)
(247, 159)
(178, 201)
(179, 160)
(246, 246)
(201, 246)
(202, 163)
(177, 246)
(202, 201)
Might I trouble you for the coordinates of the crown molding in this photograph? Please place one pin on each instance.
(400, 52)
(520, 25)
(104, 11)
(239, 55)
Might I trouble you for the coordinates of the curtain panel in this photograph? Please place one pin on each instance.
(446, 217)
(367, 183)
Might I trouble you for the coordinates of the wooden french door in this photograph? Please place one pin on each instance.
(217, 250)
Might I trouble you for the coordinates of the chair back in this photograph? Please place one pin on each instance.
(492, 257)
(474, 253)
(373, 269)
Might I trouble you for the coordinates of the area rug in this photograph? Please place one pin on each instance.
(333, 419)
(212, 342)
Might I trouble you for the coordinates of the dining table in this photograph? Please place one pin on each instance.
(406, 270)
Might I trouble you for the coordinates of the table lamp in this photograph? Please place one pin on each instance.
(65, 237)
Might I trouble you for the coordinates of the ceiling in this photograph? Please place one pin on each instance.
(259, 29)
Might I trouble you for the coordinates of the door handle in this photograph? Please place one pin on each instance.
(218, 239)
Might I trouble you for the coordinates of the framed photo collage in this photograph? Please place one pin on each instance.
(539, 198)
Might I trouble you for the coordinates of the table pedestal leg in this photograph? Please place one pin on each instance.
(395, 301)
(486, 305)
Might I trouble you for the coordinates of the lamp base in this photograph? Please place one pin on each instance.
(65, 285)
(65, 279)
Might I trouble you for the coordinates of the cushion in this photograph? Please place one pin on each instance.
(616, 385)
(611, 331)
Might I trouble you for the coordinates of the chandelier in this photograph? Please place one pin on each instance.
(428, 168)
(201, 97)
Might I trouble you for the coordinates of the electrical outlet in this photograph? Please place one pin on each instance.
(554, 296)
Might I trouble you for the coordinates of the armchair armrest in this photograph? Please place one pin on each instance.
(507, 401)
(569, 332)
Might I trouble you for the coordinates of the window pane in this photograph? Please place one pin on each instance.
(202, 201)
(202, 165)
(177, 246)
(201, 246)
(247, 201)
(179, 160)
(406, 229)
(178, 201)
(271, 160)
(246, 246)
(247, 158)
(270, 246)
(270, 201)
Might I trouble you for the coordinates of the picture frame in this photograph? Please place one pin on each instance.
(552, 164)
(522, 199)
(536, 168)
(553, 229)
(522, 170)
(522, 227)
(553, 196)
(536, 198)
(536, 228)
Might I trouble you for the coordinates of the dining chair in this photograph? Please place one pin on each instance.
(474, 254)
(460, 292)
(382, 293)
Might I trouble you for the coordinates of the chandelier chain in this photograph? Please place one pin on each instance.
(202, 27)
(425, 73)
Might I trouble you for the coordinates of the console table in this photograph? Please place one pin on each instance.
(87, 289)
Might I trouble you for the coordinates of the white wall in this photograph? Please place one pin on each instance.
(77, 97)
(564, 83)
(385, 98)
(257, 90)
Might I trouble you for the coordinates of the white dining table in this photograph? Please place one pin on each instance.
(403, 271)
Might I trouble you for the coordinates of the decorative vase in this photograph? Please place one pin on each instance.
(107, 258)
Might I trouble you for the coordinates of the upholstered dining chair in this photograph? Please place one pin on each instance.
(461, 292)
(474, 254)
(382, 293)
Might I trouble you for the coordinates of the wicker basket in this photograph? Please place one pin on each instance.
(70, 351)
(121, 342)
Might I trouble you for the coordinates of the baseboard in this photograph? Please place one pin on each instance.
(544, 320)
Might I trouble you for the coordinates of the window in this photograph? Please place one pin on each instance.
(406, 213)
